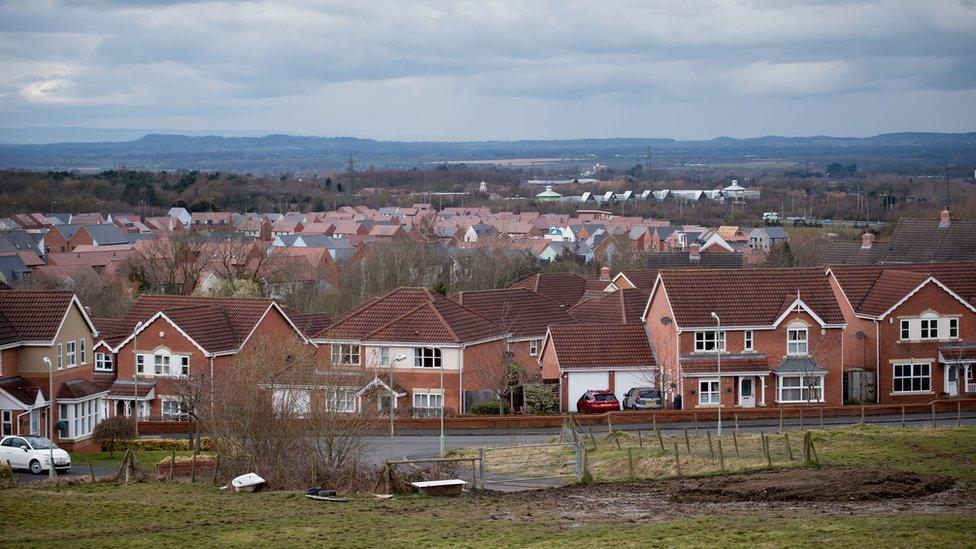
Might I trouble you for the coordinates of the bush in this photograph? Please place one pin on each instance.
(114, 433)
(541, 398)
(159, 444)
(490, 407)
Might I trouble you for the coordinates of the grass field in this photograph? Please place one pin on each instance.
(159, 513)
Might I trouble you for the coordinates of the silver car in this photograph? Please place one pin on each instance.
(642, 398)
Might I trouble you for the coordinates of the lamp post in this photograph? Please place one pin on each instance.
(135, 380)
(393, 398)
(51, 473)
(442, 409)
(718, 365)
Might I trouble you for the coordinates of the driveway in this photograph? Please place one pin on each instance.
(77, 470)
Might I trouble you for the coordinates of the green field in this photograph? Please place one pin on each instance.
(157, 513)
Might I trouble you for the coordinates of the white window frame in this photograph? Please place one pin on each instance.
(806, 384)
(797, 346)
(291, 401)
(953, 327)
(428, 357)
(83, 350)
(141, 364)
(748, 341)
(35, 422)
(428, 400)
(709, 391)
(905, 329)
(911, 372)
(534, 347)
(385, 357)
(171, 414)
(71, 353)
(82, 416)
(6, 423)
(101, 359)
(346, 354)
(60, 356)
(707, 338)
(928, 327)
(341, 399)
(162, 363)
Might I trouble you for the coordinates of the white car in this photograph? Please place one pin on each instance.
(33, 453)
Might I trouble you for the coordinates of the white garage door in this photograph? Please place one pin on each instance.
(581, 382)
(624, 381)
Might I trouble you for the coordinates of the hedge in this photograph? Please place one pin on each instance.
(158, 444)
(490, 407)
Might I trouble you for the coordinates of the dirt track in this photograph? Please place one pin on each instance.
(831, 491)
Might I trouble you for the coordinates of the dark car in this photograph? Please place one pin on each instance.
(643, 398)
(597, 401)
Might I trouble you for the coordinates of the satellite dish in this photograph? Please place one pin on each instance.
(860, 335)
(666, 320)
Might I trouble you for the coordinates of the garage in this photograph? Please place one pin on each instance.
(581, 382)
(625, 380)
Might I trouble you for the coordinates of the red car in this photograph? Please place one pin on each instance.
(597, 401)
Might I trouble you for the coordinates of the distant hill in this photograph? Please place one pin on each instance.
(911, 151)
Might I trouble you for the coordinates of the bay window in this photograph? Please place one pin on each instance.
(800, 388)
(81, 417)
(708, 340)
(909, 378)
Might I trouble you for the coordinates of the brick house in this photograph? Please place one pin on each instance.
(625, 306)
(780, 342)
(612, 357)
(163, 339)
(36, 327)
(523, 313)
(912, 325)
(421, 338)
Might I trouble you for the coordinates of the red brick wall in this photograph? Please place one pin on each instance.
(858, 353)
(520, 350)
(664, 340)
(81, 237)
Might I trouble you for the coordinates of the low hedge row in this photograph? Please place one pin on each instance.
(157, 444)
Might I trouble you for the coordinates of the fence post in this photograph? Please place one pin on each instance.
(735, 441)
(172, 464)
(806, 448)
(933, 414)
(193, 468)
(735, 417)
(696, 423)
(789, 449)
(781, 420)
(687, 442)
(640, 439)
(958, 414)
(660, 440)
(609, 425)
(10, 471)
(91, 471)
(630, 461)
(765, 448)
(862, 414)
(654, 420)
(481, 466)
(721, 455)
(821, 417)
(216, 467)
(711, 449)
(579, 461)
(592, 438)
(677, 460)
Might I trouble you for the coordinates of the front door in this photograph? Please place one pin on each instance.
(747, 392)
(952, 380)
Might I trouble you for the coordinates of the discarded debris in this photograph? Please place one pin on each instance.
(250, 482)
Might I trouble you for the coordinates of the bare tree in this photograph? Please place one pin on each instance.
(172, 263)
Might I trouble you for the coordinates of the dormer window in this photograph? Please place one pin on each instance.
(796, 340)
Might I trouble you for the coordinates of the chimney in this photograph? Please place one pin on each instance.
(694, 252)
(867, 239)
(945, 218)
(605, 274)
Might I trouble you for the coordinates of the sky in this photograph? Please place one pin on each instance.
(534, 69)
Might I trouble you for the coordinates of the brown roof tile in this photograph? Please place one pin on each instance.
(601, 346)
(31, 315)
(563, 288)
(522, 312)
(79, 388)
(642, 279)
(622, 306)
(22, 389)
(702, 364)
(873, 289)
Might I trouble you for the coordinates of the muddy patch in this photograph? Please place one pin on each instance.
(804, 484)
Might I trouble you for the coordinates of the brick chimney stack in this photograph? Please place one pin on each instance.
(867, 240)
(694, 252)
(605, 274)
(945, 218)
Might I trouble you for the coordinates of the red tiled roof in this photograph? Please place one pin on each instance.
(747, 297)
(22, 389)
(31, 315)
(642, 279)
(622, 306)
(360, 321)
(601, 346)
(965, 351)
(125, 388)
(873, 289)
(564, 288)
(522, 312)
(749, 362)
(79, 388)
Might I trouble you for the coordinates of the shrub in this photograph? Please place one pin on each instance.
(114, 433)
(541, 398)
(493, 407)
(160, 444)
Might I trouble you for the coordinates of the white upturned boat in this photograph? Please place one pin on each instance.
(247, 483)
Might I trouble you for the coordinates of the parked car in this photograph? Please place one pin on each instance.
(33, 453)
(642, 398)
(597, 401)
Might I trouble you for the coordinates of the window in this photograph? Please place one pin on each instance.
(912, 378)
(708, 392)
(796, 341)
(81, 417)
(428, 400)
(171, 410)
(35, 421)
(140, 364)
(800, 389)
(747, 344)
(341, 400)
(83, 348)
(184, 365)
(706, 341)
(427, 357)
(161, 365)
(384, 356)
(7, 423)
(534, 347)
(291, 402)
(60, 356)
(930, 328)
(345, 354)
(953, 328)
(72, 355)
(906, 332)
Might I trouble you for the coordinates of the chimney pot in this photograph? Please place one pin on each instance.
(694, 252)
(945, 218)
(867, 239)
(605, 274)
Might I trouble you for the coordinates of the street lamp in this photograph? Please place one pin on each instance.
(51, 473)
(135, 380)
(398, 358)
(718, 365)
(442, 408)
